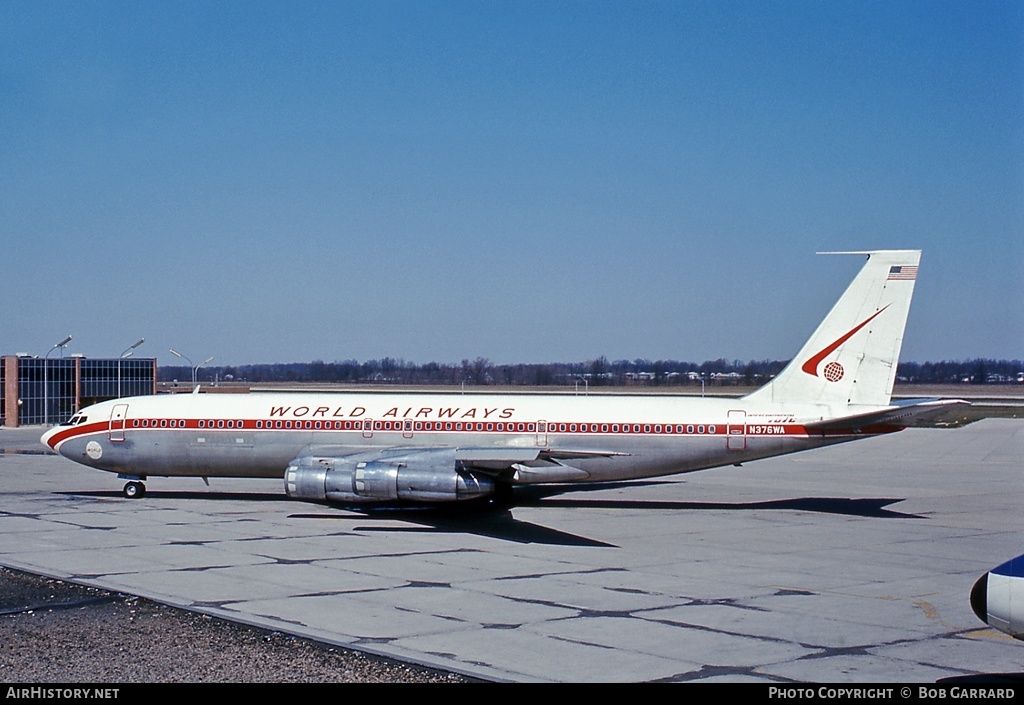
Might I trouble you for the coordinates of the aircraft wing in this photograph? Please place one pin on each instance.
(531, 465)
(503, 457)
(520, 465)
(898, 414)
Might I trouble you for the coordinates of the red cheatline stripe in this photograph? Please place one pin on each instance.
(508, 428)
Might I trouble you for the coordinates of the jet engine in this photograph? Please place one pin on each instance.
(431, 475)
(998, 598)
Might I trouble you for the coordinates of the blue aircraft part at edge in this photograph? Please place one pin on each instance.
(1013, 568)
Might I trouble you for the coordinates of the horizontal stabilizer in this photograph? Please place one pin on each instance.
(899, 413)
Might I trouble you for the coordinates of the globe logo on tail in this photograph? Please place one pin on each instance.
(833, 372)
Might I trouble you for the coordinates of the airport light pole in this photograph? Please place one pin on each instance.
(204, 362)
(194, 369)
(46, 379)
(129, 351)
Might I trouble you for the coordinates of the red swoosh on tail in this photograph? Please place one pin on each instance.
(811, 366)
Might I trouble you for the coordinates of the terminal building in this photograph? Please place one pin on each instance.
(36, 391)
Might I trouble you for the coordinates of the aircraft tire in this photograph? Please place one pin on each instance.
(134, 490)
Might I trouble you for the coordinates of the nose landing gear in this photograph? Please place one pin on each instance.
(135, 488)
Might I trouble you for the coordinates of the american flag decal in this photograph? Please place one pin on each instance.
(905, 272)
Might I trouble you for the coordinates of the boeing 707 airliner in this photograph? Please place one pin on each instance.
(364, 447)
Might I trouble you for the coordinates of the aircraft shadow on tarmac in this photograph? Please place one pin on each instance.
(497, 521)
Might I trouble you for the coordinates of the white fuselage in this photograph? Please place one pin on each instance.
(606, 437)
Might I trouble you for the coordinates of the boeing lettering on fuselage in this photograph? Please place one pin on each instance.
(434, 447)
(301, 412)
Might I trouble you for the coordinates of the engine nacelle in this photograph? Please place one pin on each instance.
(424, 476)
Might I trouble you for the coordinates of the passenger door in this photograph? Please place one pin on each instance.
(736, 431)
(118, 414)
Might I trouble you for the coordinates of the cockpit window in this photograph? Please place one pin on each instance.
(83, 419)
(71, 422)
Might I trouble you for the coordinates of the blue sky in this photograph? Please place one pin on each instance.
(520, 181)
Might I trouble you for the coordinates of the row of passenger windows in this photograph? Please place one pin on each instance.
(162, 423)
(407, 426)
(180, 423)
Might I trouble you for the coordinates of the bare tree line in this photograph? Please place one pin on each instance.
(599, 372)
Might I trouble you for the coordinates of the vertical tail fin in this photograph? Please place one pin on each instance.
(851, 358)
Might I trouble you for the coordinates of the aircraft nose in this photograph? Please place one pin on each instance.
(48, 439)
(979, 598)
